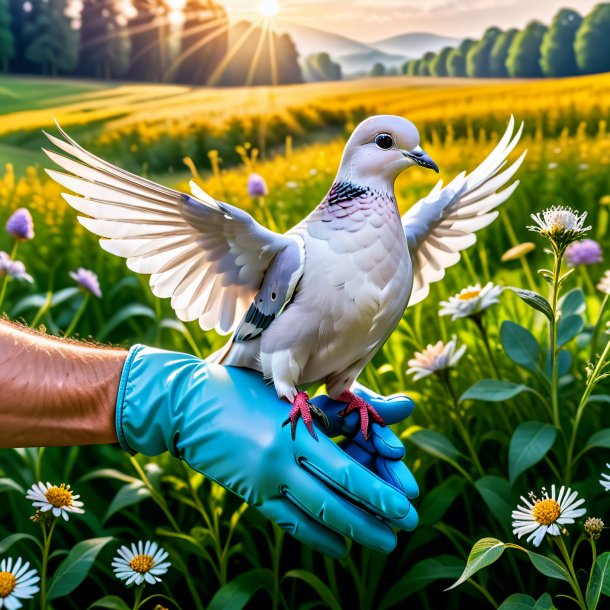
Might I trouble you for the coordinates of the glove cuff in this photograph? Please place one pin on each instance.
(121, 401)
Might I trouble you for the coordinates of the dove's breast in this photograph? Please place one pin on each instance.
(354, 290)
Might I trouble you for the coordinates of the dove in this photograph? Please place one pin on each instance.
(316, 303)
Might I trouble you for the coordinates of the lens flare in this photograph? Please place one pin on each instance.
(268, 8)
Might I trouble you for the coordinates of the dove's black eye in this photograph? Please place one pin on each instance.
(385, 141)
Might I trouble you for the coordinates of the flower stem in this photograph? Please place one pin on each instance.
(5, 278)
(598, 327)
(573, 580)
(43, 309)
(553, 342)
(45, 560)
(136, 603)
(478, 321)
(77, 316)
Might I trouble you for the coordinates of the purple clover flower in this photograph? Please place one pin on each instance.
(20, 225)
(585, 252)
(13, 269)
(87, 280)
(257, 187)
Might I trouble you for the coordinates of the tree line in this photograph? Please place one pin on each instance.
(102, 40)
(570, 46)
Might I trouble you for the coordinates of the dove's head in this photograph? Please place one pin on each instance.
(380, 149)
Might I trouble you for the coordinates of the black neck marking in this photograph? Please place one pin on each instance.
(345, 191)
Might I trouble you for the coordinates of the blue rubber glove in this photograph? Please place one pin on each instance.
(226, 423)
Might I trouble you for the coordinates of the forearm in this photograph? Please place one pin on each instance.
(55, 391)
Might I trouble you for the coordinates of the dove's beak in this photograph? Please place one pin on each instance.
(421, 158)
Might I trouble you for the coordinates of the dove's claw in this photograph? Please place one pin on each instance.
(301, 407)
(368, 414)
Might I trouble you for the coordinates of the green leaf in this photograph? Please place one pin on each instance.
(496, 494)
(601, 438)
(531, 441)
(535, 300)
(436, 503)
(7, 543)
(75, 567)
(568, 328)
(128, 495)
(520, 345)
(237, 593)
(133, 310)
(7, 484)
(600, 581)
(549, 567)
(520, 601)
(109, 473)
(493, 390)
(599, 398)
(483, 553)
(572, 303)
(435, 444)
(326, 595)
(420, 576)
(111, 602)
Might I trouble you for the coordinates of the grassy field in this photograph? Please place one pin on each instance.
(459, 451)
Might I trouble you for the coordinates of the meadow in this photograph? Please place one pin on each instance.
(473, 447)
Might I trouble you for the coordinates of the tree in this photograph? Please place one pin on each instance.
(146, 41)
(477, 59)
(456, 62)
(499, 54)
(414, 67)
(438, 66)
(104, 46)
(524, 54)
(204, 41)
(557, 56)
(7, 43)
(379, 70)
(52, 40)
(405, 66)
(592, 43)
(320, 67)
(426, 60)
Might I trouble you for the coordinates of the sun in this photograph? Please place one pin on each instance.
(268, 8)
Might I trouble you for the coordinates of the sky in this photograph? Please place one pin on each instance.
(371, 20)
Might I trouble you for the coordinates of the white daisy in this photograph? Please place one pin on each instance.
(60, 500)
(544, 516)
(471, 301)
(560, 224)
(144, 563)
(435, 358)
(16, 582)
(605, 480)
(604, 283)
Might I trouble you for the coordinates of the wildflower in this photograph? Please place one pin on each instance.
(544, 516)
(593, 527)
(257, 187)
(605, 480)
(146, 562)
(20, 225)
(60, 500)
(88, 281)
(561, 225)
(552, 166)
(605, 200)
(14, 269)
(17, 582)
(471, 301)
(435, 358)
(585, 252)
(604, 283)
(518, 251)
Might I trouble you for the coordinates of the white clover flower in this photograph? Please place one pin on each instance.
(471, 301)
(435, 358)
(17, 582)
(544, 516)
(605, 480)
(144, 563)
(561, 225)
(604, 283)
(60, 500)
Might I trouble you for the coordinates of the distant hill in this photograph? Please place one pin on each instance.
(364, 62)
(414, 45)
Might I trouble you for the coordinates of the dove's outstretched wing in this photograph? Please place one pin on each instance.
(443, 223)
(209, 257)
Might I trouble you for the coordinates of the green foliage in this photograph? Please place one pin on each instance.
(557, 56)
(425, 63)
(320, 67)
(530, 442)
(7, 42)
(379, 70)
(413, 67)
(478, 57)
(592, 43)
(438, 66)
(456, 61)
(524, 54)
(483, 554)
(499, 54)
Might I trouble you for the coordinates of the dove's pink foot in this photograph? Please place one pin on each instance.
(302, 408)
(367, 411)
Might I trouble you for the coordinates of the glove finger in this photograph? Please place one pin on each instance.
(358, 453)
(383, 441)
(332, 466)
(302, 527)
(397, 474)
(408, 522)
(320, 503)
(393, 409)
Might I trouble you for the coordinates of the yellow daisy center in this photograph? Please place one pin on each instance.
(466, 296)
(7, 583)
(546, 511)
(142, 563)
(59, 496)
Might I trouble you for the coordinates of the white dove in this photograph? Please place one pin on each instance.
(316, 303)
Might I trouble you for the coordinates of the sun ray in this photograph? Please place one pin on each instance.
(272, 55)
(257, 54)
